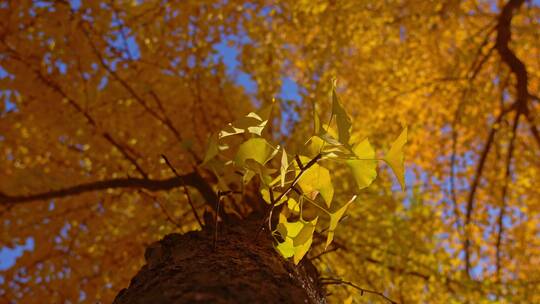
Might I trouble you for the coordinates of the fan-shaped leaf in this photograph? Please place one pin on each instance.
(363, 168)
(394, 157)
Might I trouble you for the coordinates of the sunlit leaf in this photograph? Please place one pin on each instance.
(292, 228)
(317, 178)
(257, 149)
(305, 233)
(315, 145)
(299, 234)
(283, 168)
(394, 157)
(293, 205)
(342, 119)
(286, 248)
(334, 221)
(301, 250)
(363, 168)
(265, 193)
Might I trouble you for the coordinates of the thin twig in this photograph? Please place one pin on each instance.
(185, 190)
(333, 281)
(323, 253)
(218, 204)
(287, 191)
(163, 209)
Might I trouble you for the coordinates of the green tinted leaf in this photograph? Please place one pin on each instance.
(305, 233)
(364, 168)
(293, 228)
(283, 167)
(315, 145)
(212, 150)
(334, 220)
(257, 149)
(300, 251)
(255, 168)
(316, 122)
(328, 138)
(342, 119)
(265, 193)
(394, 157)
(293, 205)
(286, 248)
(317, 178)
(298, 237)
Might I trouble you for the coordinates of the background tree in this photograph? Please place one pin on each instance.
(94, 91)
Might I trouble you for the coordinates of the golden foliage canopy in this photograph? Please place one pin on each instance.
(92, 92)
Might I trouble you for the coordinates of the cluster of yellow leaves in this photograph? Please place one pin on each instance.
(253, 158)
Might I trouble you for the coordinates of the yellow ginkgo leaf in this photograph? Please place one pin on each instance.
(305, 233)
(257, 149)
(301, 250)
(283, 168)
(297, 236)
(317, 179)
(286, 248)
(363, 168)
(342, 119)
(394, 157)
(334, 221)
(293, 205)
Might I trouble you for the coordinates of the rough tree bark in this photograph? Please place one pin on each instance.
(240, 269)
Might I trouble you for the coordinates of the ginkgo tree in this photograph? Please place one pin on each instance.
(92, 93)
(291, 183)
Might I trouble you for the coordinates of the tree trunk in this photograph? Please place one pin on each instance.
(241, 269)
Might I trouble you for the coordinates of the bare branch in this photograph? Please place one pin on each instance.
(500, 224)
(474, 186)
(534, 130)
(192, 179)
(504, 36)
(474, 69)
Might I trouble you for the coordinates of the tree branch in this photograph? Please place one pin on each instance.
(504, 35)
(520, 106)
(192, 179)
(474, 187)
(56, 88)
(534, 130)
(500, 223)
